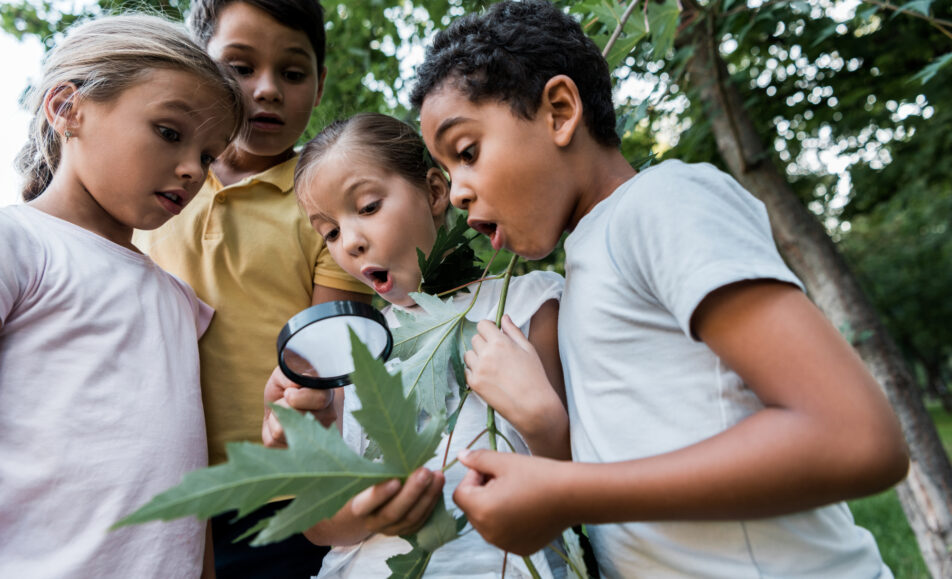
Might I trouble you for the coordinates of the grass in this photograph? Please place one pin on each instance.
(883, 516)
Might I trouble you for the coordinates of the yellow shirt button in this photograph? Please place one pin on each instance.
(219, 198)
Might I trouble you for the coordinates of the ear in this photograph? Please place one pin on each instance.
(562, 107)
(321, 77)
(61, 107)
(438, 194)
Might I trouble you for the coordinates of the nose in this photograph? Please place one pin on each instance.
(461, 196)
(267, 87)
(191, 170)
(353, 242)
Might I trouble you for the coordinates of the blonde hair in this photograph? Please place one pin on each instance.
(103, 58)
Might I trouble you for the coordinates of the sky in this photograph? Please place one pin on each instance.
(21, 64)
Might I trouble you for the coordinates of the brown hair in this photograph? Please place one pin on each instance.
(391, 142)
(102, 58)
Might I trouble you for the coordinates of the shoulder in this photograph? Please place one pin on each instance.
(201, 312)
(525, 296)
(20, 231)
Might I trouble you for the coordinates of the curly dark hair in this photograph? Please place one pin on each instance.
(304, 15)
(510, 52)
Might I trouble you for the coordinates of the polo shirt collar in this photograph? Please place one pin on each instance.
(281, 176)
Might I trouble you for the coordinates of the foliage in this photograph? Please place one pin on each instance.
(318, 468)
(882, 515)
(452, 263)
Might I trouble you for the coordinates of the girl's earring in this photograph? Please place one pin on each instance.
(67, 134)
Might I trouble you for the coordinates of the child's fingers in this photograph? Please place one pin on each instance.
(420, 510)
(510, 329)
(309, 399)
(272, 433)
(369, 500)
(481, 461)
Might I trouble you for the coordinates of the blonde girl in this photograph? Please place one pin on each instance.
(99, 384)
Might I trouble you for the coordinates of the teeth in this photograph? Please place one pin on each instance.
(171, 197)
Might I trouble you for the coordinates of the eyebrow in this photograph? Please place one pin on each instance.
(179, 105)
(446, 125)
(348, 192)
(297, 50)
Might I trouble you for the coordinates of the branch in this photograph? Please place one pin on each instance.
(937, 23)
(621, 25)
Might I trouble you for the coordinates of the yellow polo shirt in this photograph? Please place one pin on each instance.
(249, 252)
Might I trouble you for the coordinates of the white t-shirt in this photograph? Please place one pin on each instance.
(638, 384)
(468, 555)
(100, 407)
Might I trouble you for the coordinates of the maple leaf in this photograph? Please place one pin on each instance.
(441, 528)
(318, 468)
(427, 343)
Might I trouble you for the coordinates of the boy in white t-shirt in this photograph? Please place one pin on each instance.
(717, 418)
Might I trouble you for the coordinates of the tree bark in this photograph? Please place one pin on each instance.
(926, 494)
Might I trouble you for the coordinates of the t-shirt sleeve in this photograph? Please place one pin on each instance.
(201, 311)
(18, 267)
(525, 296)
(683, 231)
(328, 274)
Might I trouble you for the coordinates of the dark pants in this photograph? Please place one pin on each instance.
(293, 558)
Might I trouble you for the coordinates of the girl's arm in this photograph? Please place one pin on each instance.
(388, 507)
(522, 379)
(826, 434)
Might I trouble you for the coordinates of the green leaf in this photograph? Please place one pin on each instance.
(425, 343)
(318, 468)
(254, 475)
(920, 6)
(663, 26)
(927, 73)
(451, 263)
(387, 416)
(440, 529)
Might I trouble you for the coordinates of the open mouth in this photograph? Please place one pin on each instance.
(484, 227)
(380, 280)
(267, 120)
(171, 197)
(489, 229)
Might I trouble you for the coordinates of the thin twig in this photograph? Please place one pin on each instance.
(621, 25)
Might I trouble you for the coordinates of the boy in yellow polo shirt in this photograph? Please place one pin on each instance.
(245, 246)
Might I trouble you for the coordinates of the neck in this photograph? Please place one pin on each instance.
(609, 172)
(236, 164)
(77, 206)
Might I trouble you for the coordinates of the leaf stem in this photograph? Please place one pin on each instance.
(490, 412)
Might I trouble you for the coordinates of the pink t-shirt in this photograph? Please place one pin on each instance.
(100, 407)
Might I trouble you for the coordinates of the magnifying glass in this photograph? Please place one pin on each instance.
(314, 346)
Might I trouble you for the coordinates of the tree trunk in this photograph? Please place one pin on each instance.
(926, 494)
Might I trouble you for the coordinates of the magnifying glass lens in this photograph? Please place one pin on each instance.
(314, 346)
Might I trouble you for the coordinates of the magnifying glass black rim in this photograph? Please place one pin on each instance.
(320, 312)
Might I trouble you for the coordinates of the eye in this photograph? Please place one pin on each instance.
(242, 69)
(369, 208)
(294, 76)
(170, 135)
(207, 159)
(331, 234)
(468, 155)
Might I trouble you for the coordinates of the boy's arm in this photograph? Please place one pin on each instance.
(388, 507)
(826, 434)
(533, 402)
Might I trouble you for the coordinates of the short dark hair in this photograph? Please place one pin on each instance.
(304, 15)
(510, 52)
